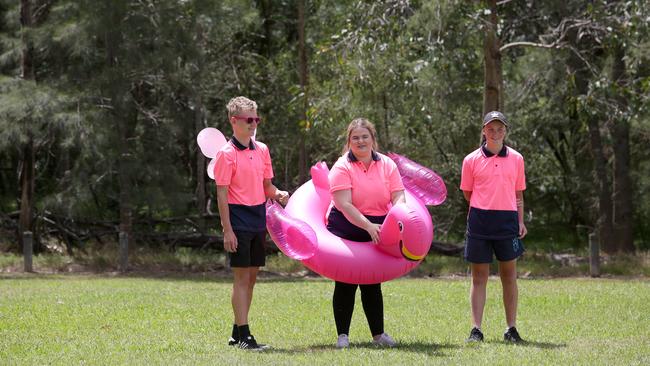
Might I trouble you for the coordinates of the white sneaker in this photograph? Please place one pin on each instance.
(384, 340)
(343, 341)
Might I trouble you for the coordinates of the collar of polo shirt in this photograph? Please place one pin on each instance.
(353, 158)
(241, 146)
(502, 153)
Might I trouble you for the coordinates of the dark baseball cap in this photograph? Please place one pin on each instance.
(495, 116)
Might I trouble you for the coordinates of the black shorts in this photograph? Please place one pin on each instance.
(250, 250)
(482, 250)
(340, 226)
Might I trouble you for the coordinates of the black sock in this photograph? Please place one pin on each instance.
(244, 332)
(235, 332)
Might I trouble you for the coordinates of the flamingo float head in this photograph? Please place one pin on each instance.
(405, 233)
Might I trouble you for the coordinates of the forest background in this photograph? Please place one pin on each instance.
(101, 102)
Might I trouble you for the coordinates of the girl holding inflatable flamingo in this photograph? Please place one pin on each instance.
(363, 184)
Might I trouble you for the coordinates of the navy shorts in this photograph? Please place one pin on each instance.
(482, 250)
(250, 250)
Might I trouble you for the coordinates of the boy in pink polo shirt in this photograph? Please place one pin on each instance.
(493, 181)
(243, 174)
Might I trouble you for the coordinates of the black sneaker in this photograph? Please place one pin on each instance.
(234, 342)
(475, 336)
(249, 343)
(511, 335)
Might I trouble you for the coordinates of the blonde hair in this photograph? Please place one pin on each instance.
(361, 123)
(239, 104)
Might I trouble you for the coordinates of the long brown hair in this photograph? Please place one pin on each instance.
(361, 123)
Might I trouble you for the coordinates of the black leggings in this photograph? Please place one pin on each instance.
(344, 293)
(373, 306)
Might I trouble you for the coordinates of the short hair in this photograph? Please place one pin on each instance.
(361, 123)
(239, 104)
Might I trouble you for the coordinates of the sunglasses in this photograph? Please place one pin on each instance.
(248, 120)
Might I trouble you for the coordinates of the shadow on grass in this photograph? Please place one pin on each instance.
(532, 344)
(431, 349)
(171, 276)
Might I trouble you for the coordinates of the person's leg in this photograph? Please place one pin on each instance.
(256, 259)
(478, 291)
(373, 305)
(343, 305)
(241, 294)
(508, 274)
(252, 278)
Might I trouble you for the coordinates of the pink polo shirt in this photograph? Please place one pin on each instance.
(243, 169)
(372, 187)
(493, 179)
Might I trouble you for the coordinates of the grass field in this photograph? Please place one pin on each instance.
(90, 319)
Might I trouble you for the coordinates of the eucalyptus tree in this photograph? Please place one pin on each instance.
(586, 37)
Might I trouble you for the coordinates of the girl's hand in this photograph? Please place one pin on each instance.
(373, 230)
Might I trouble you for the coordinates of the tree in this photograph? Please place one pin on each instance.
(27, 168)
(493, 94)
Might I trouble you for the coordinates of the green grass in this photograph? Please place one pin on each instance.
(72, 319)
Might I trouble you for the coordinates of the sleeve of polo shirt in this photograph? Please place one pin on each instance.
(339, 178)
(520, 185)
(268, 167)
(394, 179)
(467, 176)
(223, 168)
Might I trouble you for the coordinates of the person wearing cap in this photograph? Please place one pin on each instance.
(364, 184)
(493, 181)
(243, 174)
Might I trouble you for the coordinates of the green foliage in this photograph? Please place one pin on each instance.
(122, 84)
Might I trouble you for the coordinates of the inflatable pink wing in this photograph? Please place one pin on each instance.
(424, 183)
(295, 238)
(210, 141)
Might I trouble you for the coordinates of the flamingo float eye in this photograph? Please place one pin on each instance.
(401, 226)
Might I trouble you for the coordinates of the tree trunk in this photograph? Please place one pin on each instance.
(603, 186)
(124, 116)
(27, 165)
(200, 165)
(304, 83)
(265, 6)
(492, 94)
(124, 181)
(623, 189)
(26, 189)
(600, 172)
(386, 138)
(26, 21)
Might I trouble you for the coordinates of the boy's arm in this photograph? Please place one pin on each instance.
(467, 195)
(229, 238)
(272, 192)
(520, 214)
